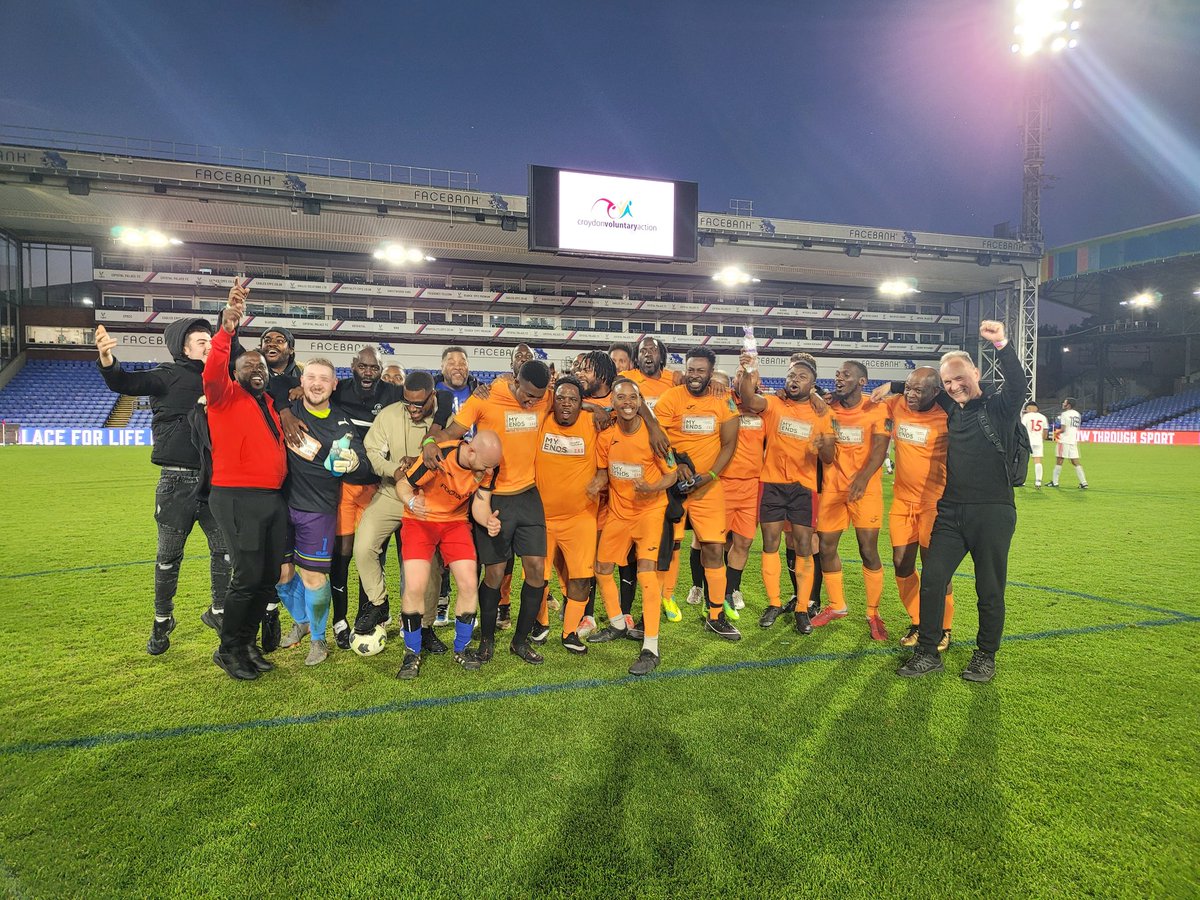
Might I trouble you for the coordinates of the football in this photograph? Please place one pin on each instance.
(369, 644)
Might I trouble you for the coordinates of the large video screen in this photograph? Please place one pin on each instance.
(595, 214)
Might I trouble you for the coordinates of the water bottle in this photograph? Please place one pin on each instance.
(749, 346)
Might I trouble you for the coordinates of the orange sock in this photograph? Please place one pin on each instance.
(670, 576)
(771, 568)
(716, 589)
(544, 611)
(572, 616)
(948, 616)
(804, 580)
(833, 586)
(611, 596)
(651, 602)
(909, 587)
(506, 591)
(873, 579)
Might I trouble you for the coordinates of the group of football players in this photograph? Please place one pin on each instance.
(594, 474)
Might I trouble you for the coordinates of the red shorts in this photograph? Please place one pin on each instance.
(418, 540)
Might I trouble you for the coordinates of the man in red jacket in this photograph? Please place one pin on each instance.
(249, 467)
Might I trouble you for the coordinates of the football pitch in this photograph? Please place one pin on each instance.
(779, 766)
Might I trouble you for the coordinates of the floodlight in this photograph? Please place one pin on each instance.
(898, 287)
(732, 276)
(1044, 23)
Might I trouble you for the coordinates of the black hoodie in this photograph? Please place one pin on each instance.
(173, 389)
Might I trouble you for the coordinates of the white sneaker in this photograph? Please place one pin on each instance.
(737, 601)
(317, 652)
(696, 595)
(586, 626)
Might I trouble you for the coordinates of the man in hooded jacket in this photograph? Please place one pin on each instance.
(174, 389)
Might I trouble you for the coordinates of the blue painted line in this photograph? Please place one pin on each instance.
(115, 565)
(105, 740)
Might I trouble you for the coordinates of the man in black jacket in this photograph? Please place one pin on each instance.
(174, 388)
(976, 514)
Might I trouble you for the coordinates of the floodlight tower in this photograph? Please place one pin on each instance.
(1042, 28)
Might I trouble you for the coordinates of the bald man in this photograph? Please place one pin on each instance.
(920, 437)
(393, 375)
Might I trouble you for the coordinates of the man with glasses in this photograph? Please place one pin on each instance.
(393, 443)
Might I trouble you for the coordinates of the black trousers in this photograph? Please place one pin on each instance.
(255, 524)
(985, 531)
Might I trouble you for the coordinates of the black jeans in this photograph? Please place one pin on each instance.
(256, 522)
(985, 531)
(176, 511)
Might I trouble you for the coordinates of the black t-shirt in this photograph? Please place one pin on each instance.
(363, 408)
(310, 486)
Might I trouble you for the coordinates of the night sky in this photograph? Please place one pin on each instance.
(896, 113)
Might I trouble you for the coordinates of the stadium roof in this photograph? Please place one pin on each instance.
(1096, 275)
(55, 192)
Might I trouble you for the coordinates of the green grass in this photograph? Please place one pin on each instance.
(1074, 774)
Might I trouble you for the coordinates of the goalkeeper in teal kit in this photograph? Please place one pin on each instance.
(329, 449)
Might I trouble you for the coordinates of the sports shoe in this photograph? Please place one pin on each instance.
(370, 618)
(696, 595)
(731, 613)
(573, 644)
(430, 642)
(921, 664)
(318, 652)
(526, 653)
(503, 617)
(342, 638)
(737, 600)
(1037, 484)
(1053, 484)
(272, 631)
(910, 639)
(586, 626)
(770, 614)
(721, 628)
(635, 631)
(160, 638)
(236, 664)
(790, 606)
(443, 616)
(944, 643)
(646, 663)
(1083, 487)
(539, 633)
(671, 610)
(295, 635)
(485, 651)
(606, 634)
(257, 660)
(213, 618)
(553, 603)
(467, 659)
(981, 668)
(827, 615)
(803, 623)
(410, 668)
(878, 630)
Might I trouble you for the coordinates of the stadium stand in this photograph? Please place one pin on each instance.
(52, 393)
(1150, 413)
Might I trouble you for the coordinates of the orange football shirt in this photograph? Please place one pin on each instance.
(518, 428)
(693, 424)
(920, 439)
(629, 459)
(447, 492)
(791, 454)
(855, 429)
(566, 462)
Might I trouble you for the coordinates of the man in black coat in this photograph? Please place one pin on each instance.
(174, 388)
